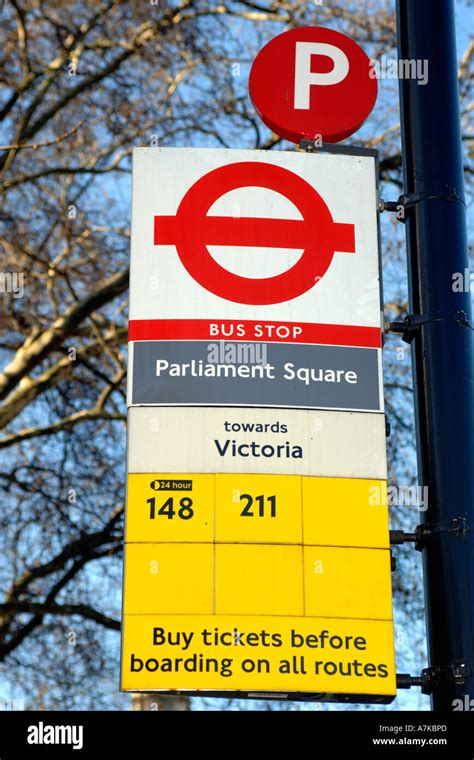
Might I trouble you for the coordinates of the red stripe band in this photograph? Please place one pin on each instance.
(246, 330)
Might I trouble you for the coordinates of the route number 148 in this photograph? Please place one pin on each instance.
(183, 510)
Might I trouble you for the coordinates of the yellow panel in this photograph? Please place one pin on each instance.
(349, 583)
(258, 508)
(305, 655)
(168, 507)
(345, 512)
(259, 579)
(169, 578)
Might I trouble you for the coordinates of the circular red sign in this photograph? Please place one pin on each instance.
(192, 230)
(311, 82)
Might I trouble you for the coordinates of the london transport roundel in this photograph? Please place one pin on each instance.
(311, 83)
(191, 230)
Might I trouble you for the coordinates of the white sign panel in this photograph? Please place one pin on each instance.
(239, 233)
(283, 441)
(252, 247)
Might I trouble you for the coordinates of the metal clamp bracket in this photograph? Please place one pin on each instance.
(318, 146)
(410, 325)
(459, 526)
(406, 681)
(430, 678)
(455, 672)
(400, 537)
(409, 200)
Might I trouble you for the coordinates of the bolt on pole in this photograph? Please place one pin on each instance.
(443, 343)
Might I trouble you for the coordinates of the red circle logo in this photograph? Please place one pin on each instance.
(312, 82)
(192, 230)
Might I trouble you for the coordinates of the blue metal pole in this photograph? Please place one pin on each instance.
(442, 346)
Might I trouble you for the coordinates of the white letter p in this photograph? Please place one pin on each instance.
(304, 77)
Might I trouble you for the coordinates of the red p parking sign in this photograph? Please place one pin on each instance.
(312, 82)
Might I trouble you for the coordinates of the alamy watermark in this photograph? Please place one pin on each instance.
(399, 496)
(463, 282)
(43, 733)
(224, 352)
(9, 705)
(12, 282)
(466, 704)
(400, 68)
